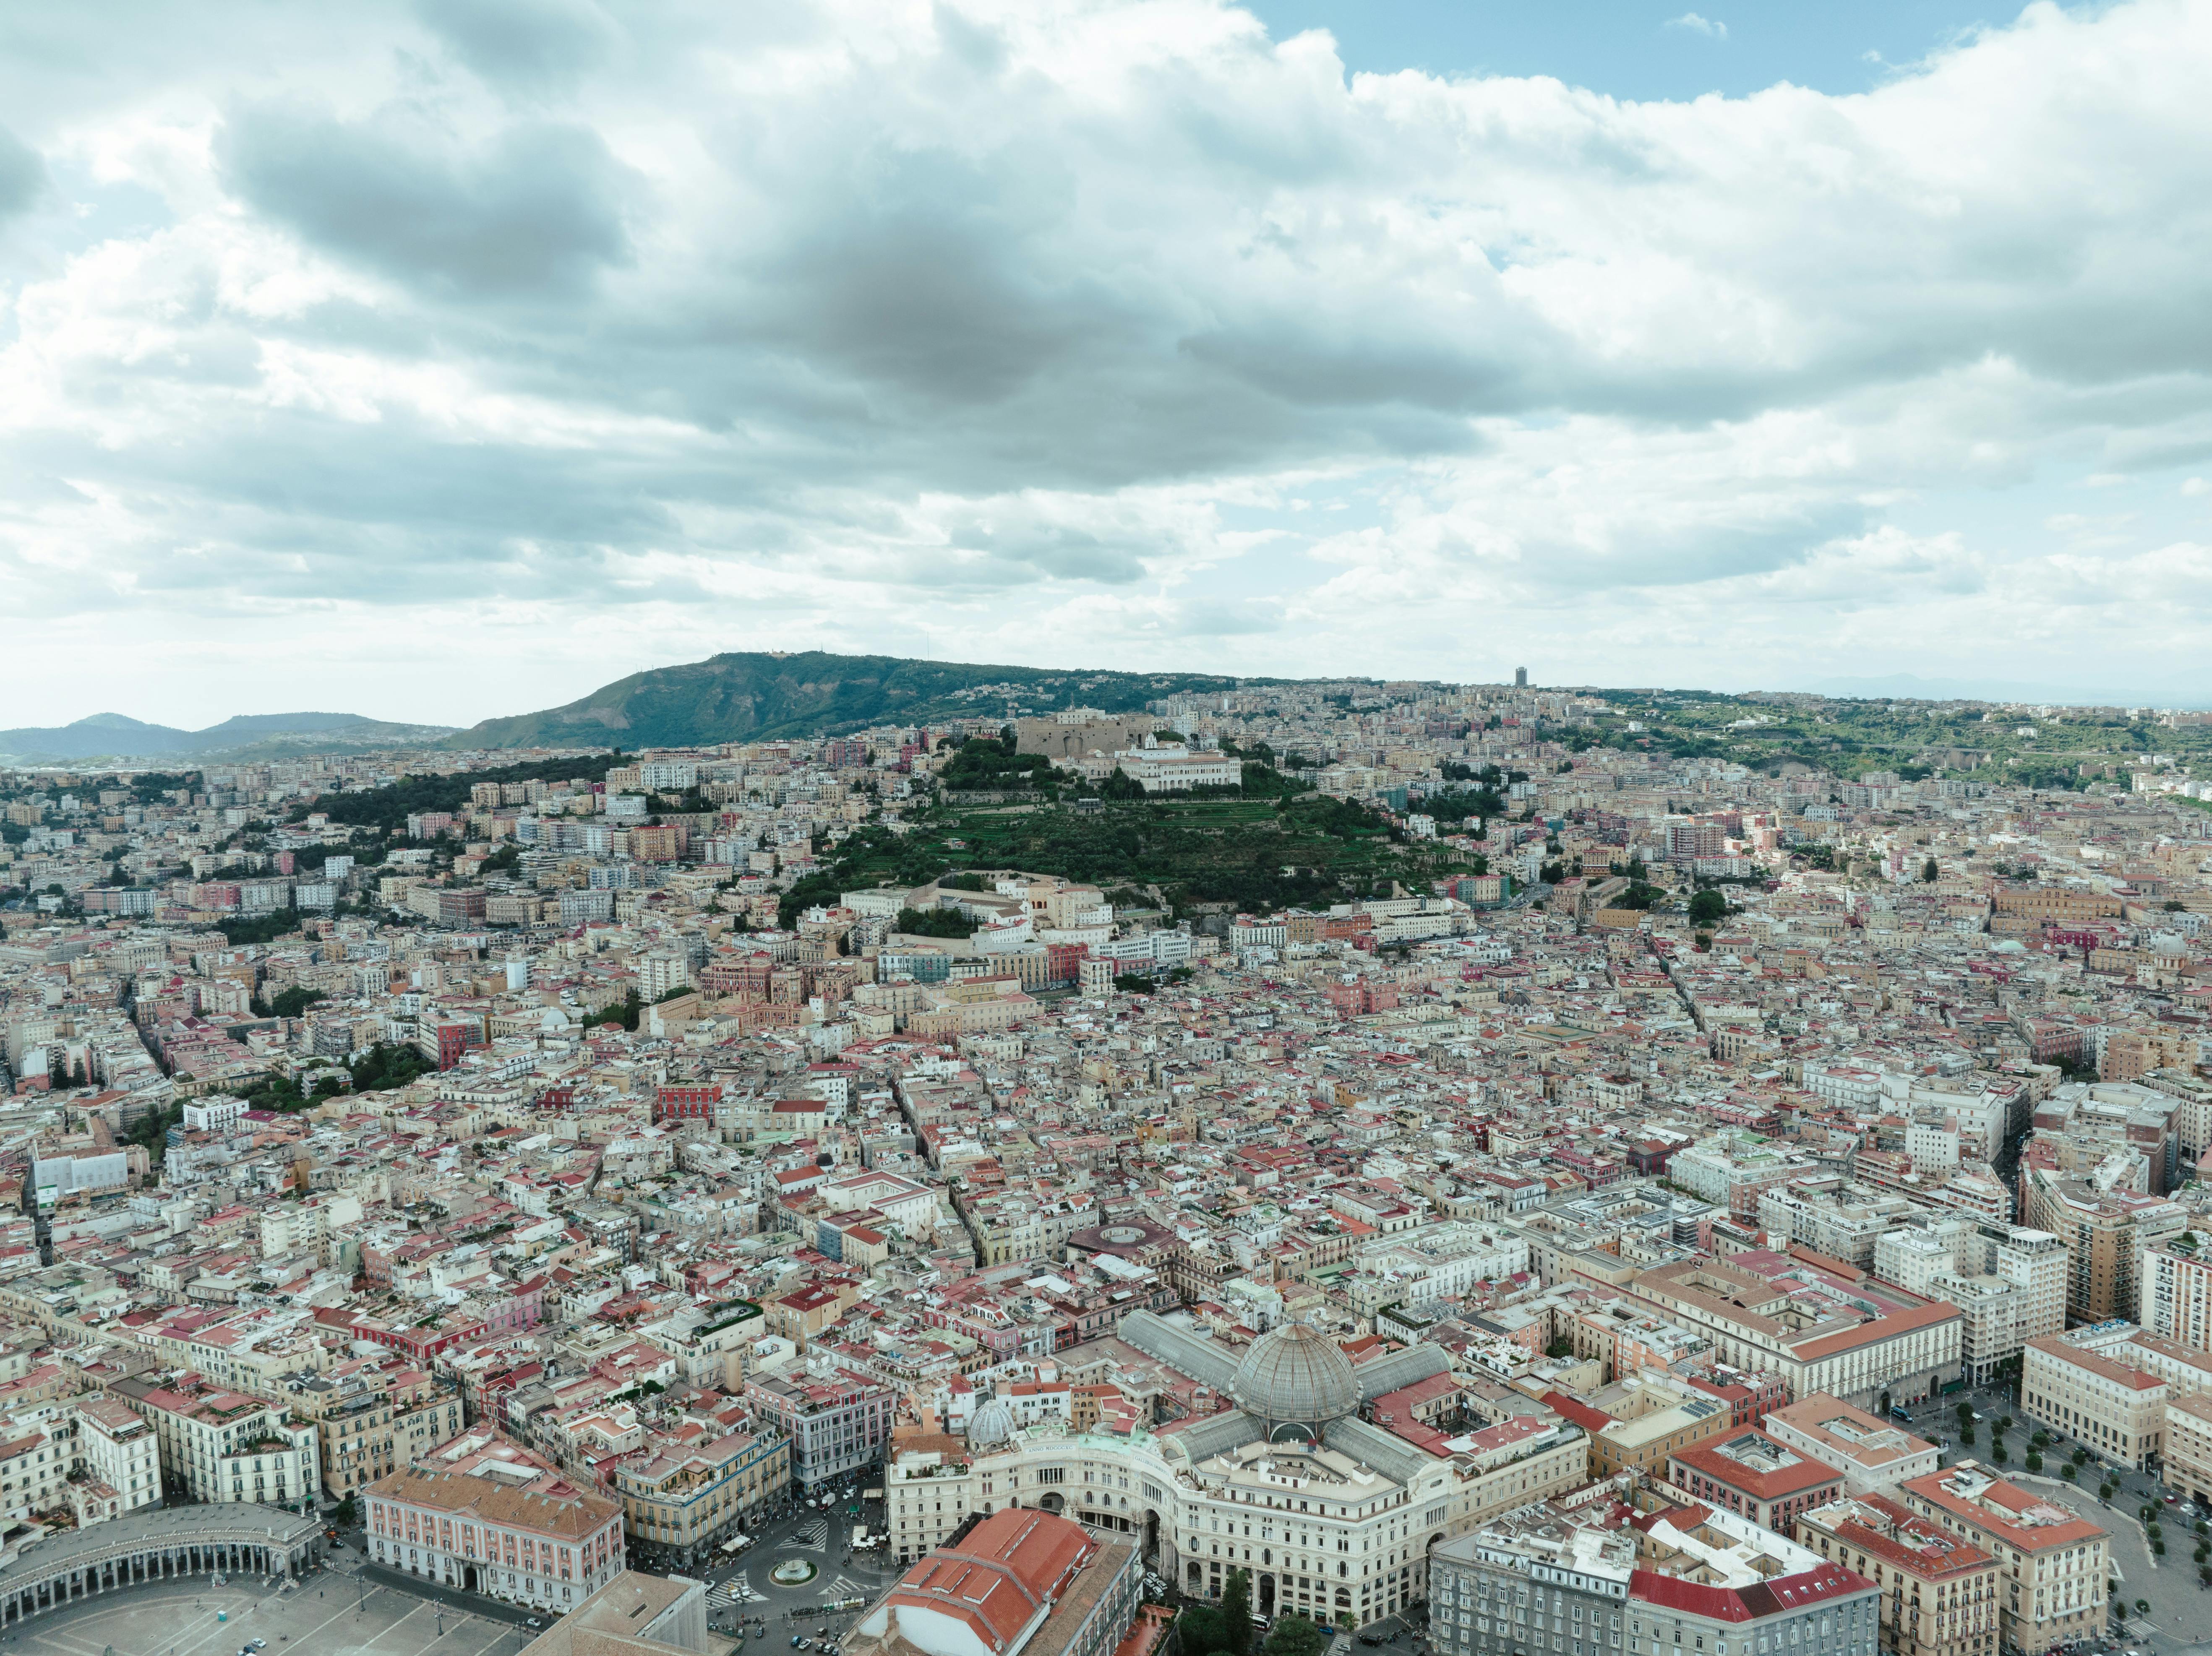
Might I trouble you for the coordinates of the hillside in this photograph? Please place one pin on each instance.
(114, 735)
(752, 695)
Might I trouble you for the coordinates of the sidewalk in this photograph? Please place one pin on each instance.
(378, 1576)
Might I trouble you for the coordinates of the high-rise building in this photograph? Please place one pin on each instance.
(2106, 1232)
(2009, 1284)
(1520, 678)
(2177, 1291)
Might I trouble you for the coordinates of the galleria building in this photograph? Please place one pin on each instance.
(1329, 1514)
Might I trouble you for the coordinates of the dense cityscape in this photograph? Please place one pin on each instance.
(1512, 1167)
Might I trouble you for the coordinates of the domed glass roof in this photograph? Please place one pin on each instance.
(992, 1422)
(1296, 1374)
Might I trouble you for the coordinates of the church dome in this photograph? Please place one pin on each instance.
(992, 1422)
(1296, 1374)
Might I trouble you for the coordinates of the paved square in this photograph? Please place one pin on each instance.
(318, 1618)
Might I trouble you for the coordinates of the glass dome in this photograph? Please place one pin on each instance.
(1295, 1375)
(992, 1422)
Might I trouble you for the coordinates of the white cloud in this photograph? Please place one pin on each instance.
(465, 367)
(1711, 29)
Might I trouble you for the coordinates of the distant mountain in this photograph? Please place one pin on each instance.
(114, 735)
(753, 695)
(1908, 687)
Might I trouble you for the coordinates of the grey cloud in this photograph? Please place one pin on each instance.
(924, 274)
(536, 46)
(537, 212)
(944, 262)
(22, 174)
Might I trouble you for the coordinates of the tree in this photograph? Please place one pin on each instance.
(2034, 1461)
(1708, 908)
(1236, 1611)
(1293, 1635)
(1929, 871)
(1203, 1629)
(346, 1514)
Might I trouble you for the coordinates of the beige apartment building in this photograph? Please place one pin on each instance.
(2053, 1565)
(1939, 1591)
(1871, 1453)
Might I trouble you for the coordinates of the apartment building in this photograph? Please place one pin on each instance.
(1755, 1476)
(2188, 1446)
(1639, 1423)
(36, 1459)
(683, 1496)
(2053, 1564)
(2106, 1232)
(2177, 1291)
(373, 1419)
(2010, 1285)
(1938, 1591)
(837, 1421)
(1831, 1216)
(1871, 1453)
(220, 1445)
(928, 1492)
(1591, 1578)
(119, 1448)
(546, 1544)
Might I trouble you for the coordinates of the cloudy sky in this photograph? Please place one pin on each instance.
(443, 359)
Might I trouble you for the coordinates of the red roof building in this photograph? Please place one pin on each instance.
(1022, 1578)
(1751, 1474)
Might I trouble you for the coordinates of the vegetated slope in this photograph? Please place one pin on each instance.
(752, 695)
(389, 807)
(103, 736)
(1250, 853)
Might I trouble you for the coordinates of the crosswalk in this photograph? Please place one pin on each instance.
(737, 1590)
(813, 1533)
(846, 1587)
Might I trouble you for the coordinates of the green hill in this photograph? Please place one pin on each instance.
(753, 695)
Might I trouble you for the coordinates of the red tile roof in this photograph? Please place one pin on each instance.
(1012, 1566)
